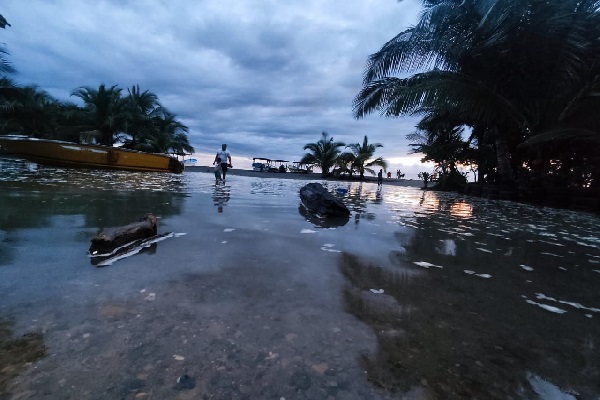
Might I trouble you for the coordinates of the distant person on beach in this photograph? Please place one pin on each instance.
(398, 174)
(380, 177)
(389, 174)
(222, 158)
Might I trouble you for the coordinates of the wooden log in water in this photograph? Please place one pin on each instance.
(110, 239)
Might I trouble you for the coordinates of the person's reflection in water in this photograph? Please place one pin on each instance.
(221, 195)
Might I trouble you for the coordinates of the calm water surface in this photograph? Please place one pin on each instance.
(418, 295)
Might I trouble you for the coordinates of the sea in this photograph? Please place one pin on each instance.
(244, 294)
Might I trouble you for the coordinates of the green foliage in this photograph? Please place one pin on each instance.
(517, 72)
(363, 154)
(138, 120)
(322, 154)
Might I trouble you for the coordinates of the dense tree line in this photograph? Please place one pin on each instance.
(136, 119)
(512, 87)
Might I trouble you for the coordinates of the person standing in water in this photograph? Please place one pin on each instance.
(380, 177)
(224, 158)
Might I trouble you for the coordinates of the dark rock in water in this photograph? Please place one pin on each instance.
(319, 201)
(111, 238)
(185, 382)
(329, 222)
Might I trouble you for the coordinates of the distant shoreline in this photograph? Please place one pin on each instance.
(307, 177)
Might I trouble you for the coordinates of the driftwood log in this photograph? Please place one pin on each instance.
(318, 200)
(110, 239)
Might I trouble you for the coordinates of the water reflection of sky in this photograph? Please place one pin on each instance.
(430, 293)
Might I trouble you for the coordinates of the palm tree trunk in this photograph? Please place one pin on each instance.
(503, 157)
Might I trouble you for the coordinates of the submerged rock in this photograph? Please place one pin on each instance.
(318, 200)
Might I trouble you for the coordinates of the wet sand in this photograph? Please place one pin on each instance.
(308, 177)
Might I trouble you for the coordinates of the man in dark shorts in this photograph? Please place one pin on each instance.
(224, 158)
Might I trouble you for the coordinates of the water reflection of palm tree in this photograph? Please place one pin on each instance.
(221, 195)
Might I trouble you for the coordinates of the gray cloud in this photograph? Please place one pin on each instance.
(266, 77)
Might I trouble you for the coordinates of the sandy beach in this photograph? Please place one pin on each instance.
(308, 177)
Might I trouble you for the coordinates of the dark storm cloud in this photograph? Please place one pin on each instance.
(266, 77)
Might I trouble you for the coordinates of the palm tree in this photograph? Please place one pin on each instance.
(322, 153)
(27, 110)
(139, 109)
(5, 67)
(510, 68)
(363, 153)
(168, 135)
(104, 111)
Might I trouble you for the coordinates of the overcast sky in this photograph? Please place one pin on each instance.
(266, 77)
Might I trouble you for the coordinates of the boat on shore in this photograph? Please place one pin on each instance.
(74, 155)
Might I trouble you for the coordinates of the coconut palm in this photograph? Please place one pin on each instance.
(104, 111)
(139, 109)
(5, 67)
(168, 135)
(363, 154)
(513, 69)
(27, 110)
(322, 153)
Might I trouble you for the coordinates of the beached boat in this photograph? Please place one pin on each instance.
(67, 154)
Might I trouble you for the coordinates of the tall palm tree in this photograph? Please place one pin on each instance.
(363, 154)
(322, 153)
(104, 111)
(139, 109)
(510, 68)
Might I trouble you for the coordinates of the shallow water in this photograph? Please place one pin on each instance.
(417, 295)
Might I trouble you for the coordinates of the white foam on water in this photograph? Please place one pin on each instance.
(377, 291)
(563, 268)
(469, 272)
(224, 241)
(426, 264)
(307, 231)
(484, 250)
(228, 229)
(596, 270)
(541, 296)
(526, 267)
(547, 307)
(594, 261)
(550, 254)
(552, 243)
(585, 244)
(328, 247)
